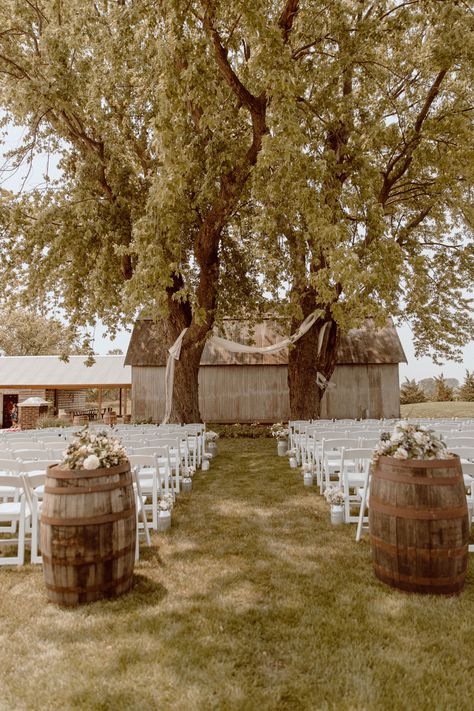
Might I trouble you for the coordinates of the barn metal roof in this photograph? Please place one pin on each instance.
(363, 345)
(51, 372)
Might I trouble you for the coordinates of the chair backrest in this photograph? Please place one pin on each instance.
(462, 452)
(33, 484)
(9, 466)
(338, 443)
(468, 468)
(142, 460)
(357, 453)
(39, 465)
(28, 455)
(455, 442)
(329, 434)
(369, 442)
(12, 481)
(159, 457)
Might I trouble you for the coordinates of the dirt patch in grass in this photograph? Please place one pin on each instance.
(251, 601)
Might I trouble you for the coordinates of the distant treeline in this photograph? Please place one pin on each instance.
(437, 389)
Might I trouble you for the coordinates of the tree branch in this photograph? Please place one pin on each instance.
(404, 158)
(287, 18)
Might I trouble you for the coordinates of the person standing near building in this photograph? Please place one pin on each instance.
(14, 415)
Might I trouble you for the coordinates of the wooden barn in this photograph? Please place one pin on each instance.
(241, 387)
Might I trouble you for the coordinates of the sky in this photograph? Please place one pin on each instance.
(25, 178)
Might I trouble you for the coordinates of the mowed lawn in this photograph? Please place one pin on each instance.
(253, 601)
(438, 409)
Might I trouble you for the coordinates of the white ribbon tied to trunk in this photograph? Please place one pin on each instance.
(233, 347)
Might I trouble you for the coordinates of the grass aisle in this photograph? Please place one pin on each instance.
(252, 601)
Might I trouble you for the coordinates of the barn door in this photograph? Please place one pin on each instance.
(8, 402)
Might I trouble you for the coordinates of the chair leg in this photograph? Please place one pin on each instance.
(363, 506)
(35, 558)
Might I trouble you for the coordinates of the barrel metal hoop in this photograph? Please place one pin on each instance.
(416, 514)
(413, 552)
(92, 521)
(400, 478)
(65, 563)
(56, 472)
(451, 463)
(92, 589)
(75, 490)
(416, 580)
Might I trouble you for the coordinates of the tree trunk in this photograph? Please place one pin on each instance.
(185, 395)
(185, 408)
(304, 364)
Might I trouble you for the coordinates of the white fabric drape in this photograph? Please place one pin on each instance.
(174, 353)
(233, 347)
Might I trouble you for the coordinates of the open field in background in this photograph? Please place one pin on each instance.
(252, 601)
(438, 409)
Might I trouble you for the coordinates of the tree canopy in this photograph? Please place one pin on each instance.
(212, 150)
(24, 332)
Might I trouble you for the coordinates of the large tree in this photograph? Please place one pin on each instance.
(375, 215)
(159, 117)
(343, 130)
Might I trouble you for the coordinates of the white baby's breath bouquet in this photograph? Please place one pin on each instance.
(334, 495)
(308, 468)
(210, 436)
(279, 431)
(89, 449)
(411, 441)
(189, 472)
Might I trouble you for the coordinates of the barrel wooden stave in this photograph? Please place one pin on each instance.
(80, 420)
(419, 526)
(88, 536)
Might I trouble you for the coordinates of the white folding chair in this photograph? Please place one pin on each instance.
(177, 454)
(140, 501)
(331, 453)
(355, 464)
(34, 490)
(14, 511)
(153, 472)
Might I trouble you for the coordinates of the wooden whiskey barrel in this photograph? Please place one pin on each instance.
(88, 533)
(419, 525)
(80, 420)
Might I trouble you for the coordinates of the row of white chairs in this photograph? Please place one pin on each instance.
(153, 478)
(342, 456)
(21, 497)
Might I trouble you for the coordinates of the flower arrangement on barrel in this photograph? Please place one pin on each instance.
(93, 450)
(411, 441)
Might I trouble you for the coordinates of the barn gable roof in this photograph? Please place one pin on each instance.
(363, 345)
(51, 372)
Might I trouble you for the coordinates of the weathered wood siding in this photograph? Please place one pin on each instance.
(239, 393)
(148, 392)
(259, 393)
(363, 391)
